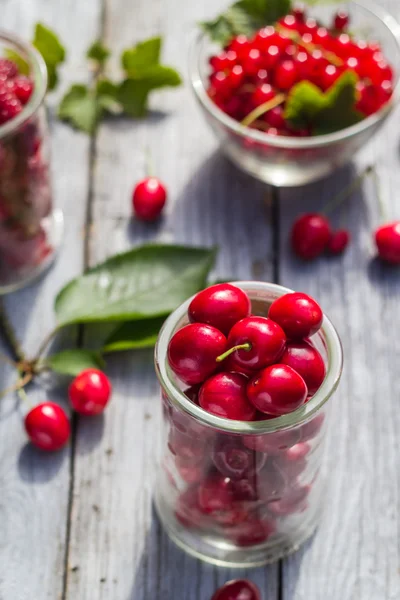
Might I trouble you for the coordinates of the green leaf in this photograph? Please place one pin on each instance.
(107, 94)
(72, 362)
(133, 335)
(308, 107)
(53, 52)
(80, 107)
(140, 57)
(133, 92)
(23, 66)
(245, 17)
(98, 52)
(146, 282)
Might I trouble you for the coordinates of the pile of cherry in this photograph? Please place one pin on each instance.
(247, 368)
(252, 72)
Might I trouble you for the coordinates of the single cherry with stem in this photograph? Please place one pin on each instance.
(277, 390)
(299, 315)
(254, 343)
(220, 305)
(193, 352)
(149, 196)
(90, 392)
(47, 426)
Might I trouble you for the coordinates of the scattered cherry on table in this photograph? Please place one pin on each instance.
(149, 198)
(310, 235)
(387, 239)
(90, 392)
(47, 426)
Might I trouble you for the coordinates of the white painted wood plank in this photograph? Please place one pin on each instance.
(34, 488)
(117, 547)
(355, 553)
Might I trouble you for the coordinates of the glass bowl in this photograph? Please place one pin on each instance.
(290, 161)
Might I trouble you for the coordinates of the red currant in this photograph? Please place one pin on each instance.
(262, 94)
(10, 107)
(252, 62)
(339, 241)
(307, 362)
(387, 238)
(341, 20)
(221, 306)
(264, 38)
(255, 342)
(299, 13)
(298, 315)
(193, 350)
(329, 76)
(277, 390)
(310, 235)
(271, 58)
(235, 77)
(286, 75)
(224, 395)
(22, 88)
(90, 392)
(275, 117)
(239, 589)
(8, 68)
(47, 426)
(149, 197)
(240, 45)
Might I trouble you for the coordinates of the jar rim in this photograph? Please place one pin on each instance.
(40, 78)
(293, 419)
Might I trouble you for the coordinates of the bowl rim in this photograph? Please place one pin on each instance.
(380, 13)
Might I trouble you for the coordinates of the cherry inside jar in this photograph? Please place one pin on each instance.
(30, 230)
(240, 493)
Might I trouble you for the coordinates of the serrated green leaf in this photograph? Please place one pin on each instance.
(81, 108)
(140, 57)
(245, 17)
(73, 362)
(308, 107)
(107, 94)
(53, 52)
(98, 52)
(23, 66)
(133, 92)
(146, 282)
(133, 335)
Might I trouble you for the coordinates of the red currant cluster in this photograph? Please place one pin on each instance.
(248, 368)
(252, 72)
(47, 424)
(25, 194)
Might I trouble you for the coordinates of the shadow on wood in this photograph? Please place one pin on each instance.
(50, 464)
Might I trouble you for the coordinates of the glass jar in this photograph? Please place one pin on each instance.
(30, 230)
(242, 493)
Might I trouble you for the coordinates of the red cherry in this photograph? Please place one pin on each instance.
(285, 75)
(220, 305)
(277, 390)
(47, 426)
(296, 452)
(188, 472)
(387, 239)
(193, 350)
(22, 88)
(310, 235)
(341, 20)
(264, 341)
(90, 392)
(215, 494)
(224, 395)
(263, 93)
(273, 443)
(299, 315)
(234, 460)
(253, 532)
(292, 503)
(339, 241)
(307, 362)
(149, 197)
(185, 447)
(239, 589)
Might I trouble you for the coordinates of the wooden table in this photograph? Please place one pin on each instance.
(79, 525)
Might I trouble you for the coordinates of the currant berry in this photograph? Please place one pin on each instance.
(241, 45)
(47, 426)
(310, 235)
(307, 362)
(341, 20)
(285, 75)
(387, 238)
(298, 315)
(275, 118)
(239, 589)
(10, 107)
(224, 395)
(263, 93)
(254, 343)
(22, 88)
(277, 390)
(193, 350)
(90, 392)
(8, 68)
(221, 306)
(149, 197)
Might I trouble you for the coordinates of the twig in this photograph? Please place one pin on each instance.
(9, 335)
(21, 383)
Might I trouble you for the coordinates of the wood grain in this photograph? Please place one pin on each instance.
(34, 488)
(117, 547)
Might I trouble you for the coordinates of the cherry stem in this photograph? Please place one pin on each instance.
(17, 387)
(247, 347)
(263, 108)
(383, 212)
(347, 191)
(333, 58)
